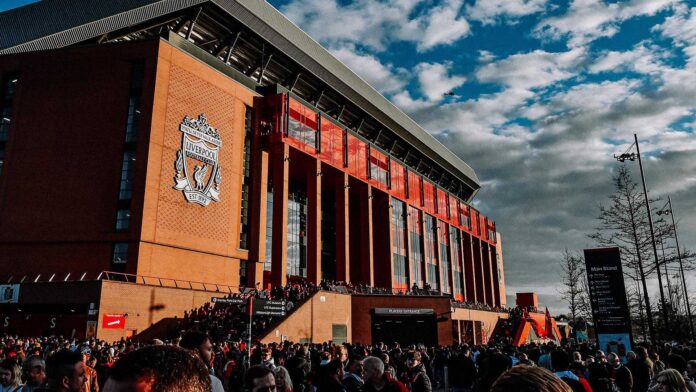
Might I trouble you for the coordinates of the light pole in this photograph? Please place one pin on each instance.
(670, 212)
(632, 157)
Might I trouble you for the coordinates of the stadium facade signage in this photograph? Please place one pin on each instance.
(10, 293)
(198, 173)
(404, 311)
(269, 307)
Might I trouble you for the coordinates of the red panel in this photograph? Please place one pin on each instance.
(398, 182)
(429, 196)
(454, 210)
(331, 143)
(442, 204)
(354, 145)
(414, 188)
(379, 168)
(114, 321)
(361, 160)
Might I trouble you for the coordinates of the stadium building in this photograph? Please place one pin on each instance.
(157, 153)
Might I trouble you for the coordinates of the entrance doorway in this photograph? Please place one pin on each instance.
(405, 329)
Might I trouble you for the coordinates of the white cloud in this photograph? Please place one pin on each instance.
(492, 11)
(587, 20)
(681, 27)
(385, 78)
(435, 80)
(534, 69)
(643, 58)
(443, 26)
(376, 24)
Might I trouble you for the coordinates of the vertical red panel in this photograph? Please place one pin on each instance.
(454, 210)
(442, 204)
(429, 196)
(353, 147)
(398, 185)
(307, 118)
(414, 189)
(379, 168)
(361, 160)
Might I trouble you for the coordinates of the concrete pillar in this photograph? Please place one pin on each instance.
(342, 229)
(281, 181)
(314, 222)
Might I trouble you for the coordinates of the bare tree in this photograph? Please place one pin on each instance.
(572, 277)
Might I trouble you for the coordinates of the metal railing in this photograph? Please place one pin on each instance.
(123, 277)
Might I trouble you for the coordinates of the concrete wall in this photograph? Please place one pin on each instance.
(488, 319)
(315, 318)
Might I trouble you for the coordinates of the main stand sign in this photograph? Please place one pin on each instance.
(608, 300)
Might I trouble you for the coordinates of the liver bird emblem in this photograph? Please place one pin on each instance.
(198, 175)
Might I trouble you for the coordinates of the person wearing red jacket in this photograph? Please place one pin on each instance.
(377, 380)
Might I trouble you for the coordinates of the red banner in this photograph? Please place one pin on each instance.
(114, 321)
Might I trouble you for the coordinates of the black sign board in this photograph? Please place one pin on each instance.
(262, 307)
(228, 301)
(608, 299)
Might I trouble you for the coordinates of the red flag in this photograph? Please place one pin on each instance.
(549, 325)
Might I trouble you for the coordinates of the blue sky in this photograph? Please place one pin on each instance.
(545, 93)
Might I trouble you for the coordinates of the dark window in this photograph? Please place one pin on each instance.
(443, 241)
(246, 179)
(269, 227)
(399, 243)
(120, 254)
(455, 240)
(297, 233)
(127, 173)
(123, 219)
(416, 235)
(7, 93)
(430, 228)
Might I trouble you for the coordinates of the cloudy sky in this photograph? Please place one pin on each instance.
(545, 92)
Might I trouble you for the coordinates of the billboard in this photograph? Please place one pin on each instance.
(608, 300)
(114, 321)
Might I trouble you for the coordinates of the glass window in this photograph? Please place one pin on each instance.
(443, 241)
(430, 228)
(122, 219)
(269, 227)
(5, 119)
(246, 180)
(120, 255)
(127, 174)
(415, 233)
(297, 233)
(9, 86)
(136, 90)
(455, 241)
(399, 244)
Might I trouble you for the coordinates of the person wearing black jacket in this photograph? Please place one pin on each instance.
(417, 379)
(333, 374)
(299, 367)
(462, 372)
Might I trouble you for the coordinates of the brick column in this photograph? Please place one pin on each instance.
(257, 236)
(314, 222)
(342, 231)
(281, 180)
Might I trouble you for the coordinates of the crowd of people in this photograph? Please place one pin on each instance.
(197, 361)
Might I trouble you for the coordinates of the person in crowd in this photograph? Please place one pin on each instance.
(641, 368)
(377, 380)
(92, 384)
(388, 368)
(200, 344)
(670, 380)
(462, 372)
(65, 372)
(299, 368)
(560, 364)
(159, 368)
(10, 376)
(33, 373)
(417, 379)
(619, 373)
(691, 370)
(493, 366)
(267, 358)
(353, 379)
(259, 379)
(282, 377)
(333, 375)
(579, 370)
(525, 378)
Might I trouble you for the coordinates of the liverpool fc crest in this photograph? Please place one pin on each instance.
(197, 160)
